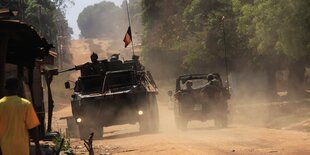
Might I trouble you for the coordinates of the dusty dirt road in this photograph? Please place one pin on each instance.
(200, 138)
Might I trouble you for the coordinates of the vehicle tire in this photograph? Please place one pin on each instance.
(149, 122)
(144, 124)
(84, 131)
(221, 120)
(154, 125)
(180, 121)
(224, 120)
(220, 114)
(98, 132)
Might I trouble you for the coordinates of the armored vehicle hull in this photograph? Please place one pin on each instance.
(97, 111)
(120, 93)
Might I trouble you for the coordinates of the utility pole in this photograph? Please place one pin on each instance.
(60, 44)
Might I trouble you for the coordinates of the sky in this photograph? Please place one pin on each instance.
(74, 11)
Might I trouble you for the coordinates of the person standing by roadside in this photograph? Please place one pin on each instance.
(17, 120)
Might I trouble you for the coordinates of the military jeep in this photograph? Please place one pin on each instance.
(121, 93)
(198, 98)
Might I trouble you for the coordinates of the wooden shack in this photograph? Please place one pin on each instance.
(22, 54)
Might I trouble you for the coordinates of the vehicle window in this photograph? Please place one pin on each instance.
(120, 79)
(197, 83)
(88, 85)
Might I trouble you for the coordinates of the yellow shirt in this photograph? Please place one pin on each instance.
(16, 117)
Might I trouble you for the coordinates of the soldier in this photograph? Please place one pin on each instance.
(216, 97)
(218, 77)
(211, 91)
(90, 68)
(189, 85)
(216, 80)
(115, 63)
(96, 66)
(210, 77)
(225, 90)
(94, 58)
(114, 57)
(138, 65)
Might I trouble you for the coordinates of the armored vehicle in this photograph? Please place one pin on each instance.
(115, 92)
(200, 97)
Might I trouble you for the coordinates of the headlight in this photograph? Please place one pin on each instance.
(140, 112)
(79, 120)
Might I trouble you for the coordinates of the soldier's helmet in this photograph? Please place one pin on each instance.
(215, 82)
(114, 57)
(216, 75)
(210, 77)
(94, 57)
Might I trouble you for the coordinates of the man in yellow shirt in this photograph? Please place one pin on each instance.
(17, 117)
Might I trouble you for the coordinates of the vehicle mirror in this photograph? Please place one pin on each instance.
(67, 85)
(170, 93)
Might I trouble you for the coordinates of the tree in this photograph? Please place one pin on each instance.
(48, 17)
(194, 30)
(104, 19)
(163, 32)
(278, 31)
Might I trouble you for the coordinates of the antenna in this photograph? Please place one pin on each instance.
(225, 49)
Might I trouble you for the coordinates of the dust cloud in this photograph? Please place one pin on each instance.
(249, 105)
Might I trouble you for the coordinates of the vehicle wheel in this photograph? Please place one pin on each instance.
(221, 121)
(84, 131)
(144, 124)
(72, 128)
(154, 126)
(182, 123)
(149, 123)
(98, 132)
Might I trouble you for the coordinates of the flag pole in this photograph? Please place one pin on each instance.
(133, 50)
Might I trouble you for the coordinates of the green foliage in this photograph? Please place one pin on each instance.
(48, 18)
(258, 32)
(66, 143)
(194, 27)
(276, 27)
(63, 4)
